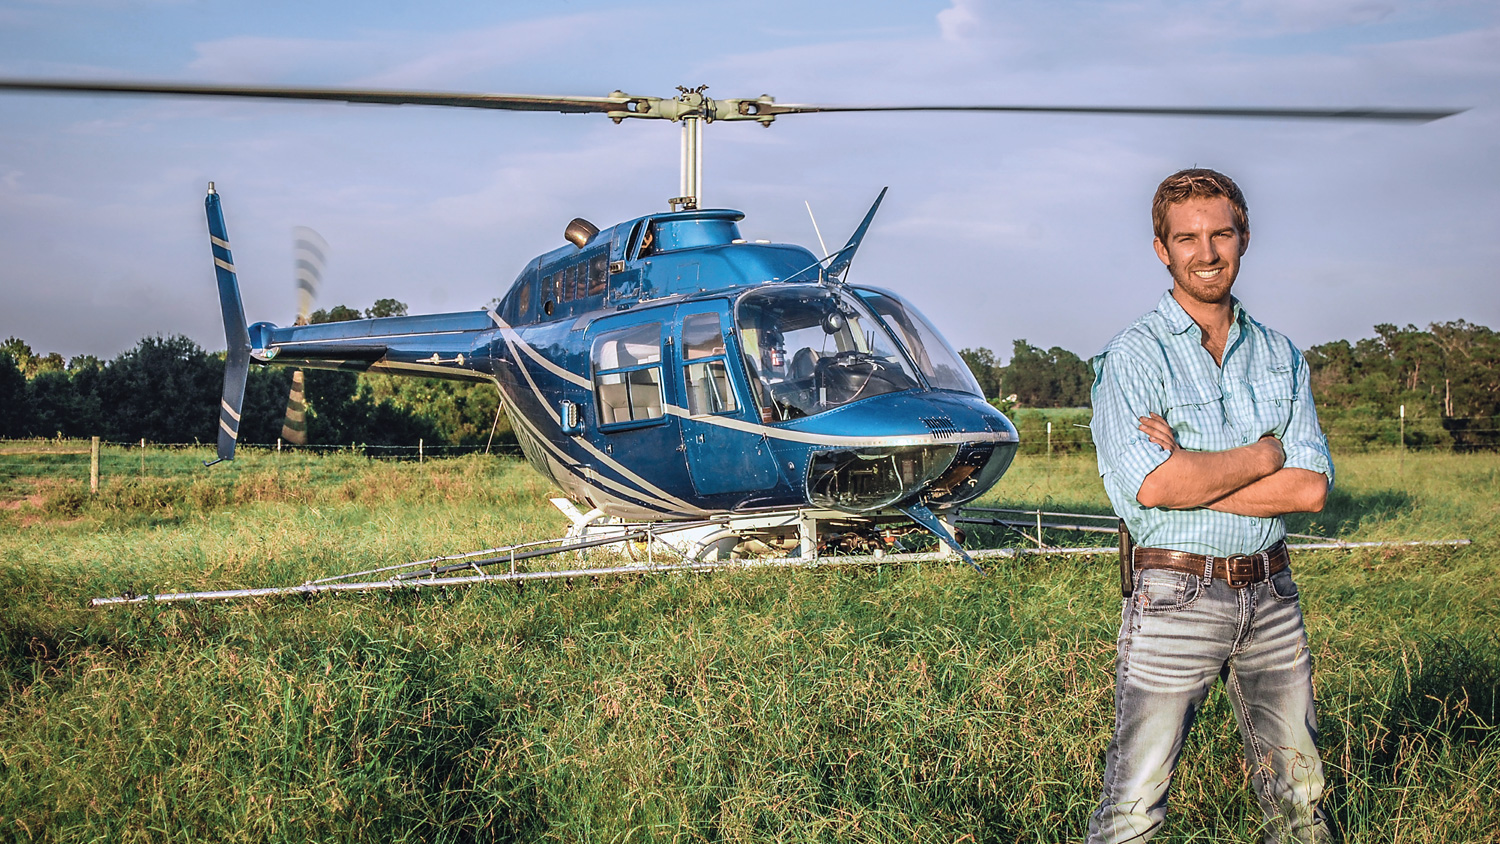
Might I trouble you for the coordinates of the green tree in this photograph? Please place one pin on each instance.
(1052, 378)
(343, 410)
(338, 313)
(166, 389)
(14, 416)
(986, 369)
(462, 411)
(386, 308)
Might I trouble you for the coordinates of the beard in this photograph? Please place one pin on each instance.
(1208, 291)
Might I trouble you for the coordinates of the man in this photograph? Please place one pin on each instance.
(1207, 435)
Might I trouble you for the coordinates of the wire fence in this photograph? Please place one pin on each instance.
(94, 459)
(1069, 433)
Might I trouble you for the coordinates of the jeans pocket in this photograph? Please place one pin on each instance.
(1160, 590)
(1283, 588)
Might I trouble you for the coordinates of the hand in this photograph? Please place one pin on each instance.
(1156, 427)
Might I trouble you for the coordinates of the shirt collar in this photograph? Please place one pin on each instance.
(1179, 321)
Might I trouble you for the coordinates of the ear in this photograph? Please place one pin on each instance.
(1244, 243)
(1161, 251)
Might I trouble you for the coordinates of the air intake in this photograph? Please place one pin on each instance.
(941, 426)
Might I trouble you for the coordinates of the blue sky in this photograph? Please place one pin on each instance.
(999, 227)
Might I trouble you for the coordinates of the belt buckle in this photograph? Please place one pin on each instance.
(1240, 570)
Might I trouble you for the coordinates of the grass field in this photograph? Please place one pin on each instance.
(887, 704)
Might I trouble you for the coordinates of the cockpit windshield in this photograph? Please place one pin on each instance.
(809, 349)
(944, 369)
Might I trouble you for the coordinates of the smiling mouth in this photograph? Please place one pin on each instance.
(1208, 274)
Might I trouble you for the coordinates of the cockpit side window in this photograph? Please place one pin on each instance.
(627, 375)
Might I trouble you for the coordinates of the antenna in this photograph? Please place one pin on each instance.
(821, 244)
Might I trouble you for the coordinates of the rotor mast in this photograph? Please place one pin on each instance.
(690, 185)
(696, 110)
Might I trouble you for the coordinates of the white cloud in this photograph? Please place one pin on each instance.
(400, 59)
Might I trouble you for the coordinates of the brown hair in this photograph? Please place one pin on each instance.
(1197, 183)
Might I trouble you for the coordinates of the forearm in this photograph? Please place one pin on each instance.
(1286, 491)
(1191, 479)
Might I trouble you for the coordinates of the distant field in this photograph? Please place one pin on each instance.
(889, 704)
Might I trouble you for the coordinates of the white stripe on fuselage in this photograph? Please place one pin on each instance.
(514, 338)
(652, 498)
(840, 440)
(662, 498)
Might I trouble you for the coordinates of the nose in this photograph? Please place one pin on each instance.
(1211, 251)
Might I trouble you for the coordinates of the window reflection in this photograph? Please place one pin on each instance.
(627, 374)
(809, 349)
(944, 369)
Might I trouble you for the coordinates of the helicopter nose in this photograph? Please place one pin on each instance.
(960, 450)
(858, 480)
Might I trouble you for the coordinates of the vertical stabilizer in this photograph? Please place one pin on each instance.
(236, 335)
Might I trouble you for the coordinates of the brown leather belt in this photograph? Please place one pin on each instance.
(1239, 570)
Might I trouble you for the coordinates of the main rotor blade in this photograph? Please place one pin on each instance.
(1384, 114)
(511, 102)
(619, 105)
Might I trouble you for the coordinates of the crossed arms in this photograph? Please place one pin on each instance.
(1249, 481)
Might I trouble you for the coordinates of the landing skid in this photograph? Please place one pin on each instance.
(745, 541)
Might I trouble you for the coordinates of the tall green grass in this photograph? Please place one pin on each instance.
(885, 704)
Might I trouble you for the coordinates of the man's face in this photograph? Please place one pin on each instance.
(1202, 249)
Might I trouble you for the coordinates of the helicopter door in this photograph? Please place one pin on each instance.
(632, 389)
(721, 458)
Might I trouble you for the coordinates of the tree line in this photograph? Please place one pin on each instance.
(166, 389)
(1446, 378)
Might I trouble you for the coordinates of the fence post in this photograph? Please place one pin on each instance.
(420, 456)
(94, 465)
(278, 445)
(1401, 458)
(1049, 439)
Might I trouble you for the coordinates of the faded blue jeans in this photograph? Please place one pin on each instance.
(1176, 638)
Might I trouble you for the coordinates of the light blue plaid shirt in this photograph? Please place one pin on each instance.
(1159, 365)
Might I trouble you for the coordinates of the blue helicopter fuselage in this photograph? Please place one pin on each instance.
(668, 368)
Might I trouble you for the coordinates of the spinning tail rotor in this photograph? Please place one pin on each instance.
(309, 255)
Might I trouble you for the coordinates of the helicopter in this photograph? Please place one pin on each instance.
(665, 368)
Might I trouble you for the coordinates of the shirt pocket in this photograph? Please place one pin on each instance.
(1272, 396)
(1195, 410)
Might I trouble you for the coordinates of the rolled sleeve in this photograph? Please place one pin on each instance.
(1124, 391)
(1303, 442)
